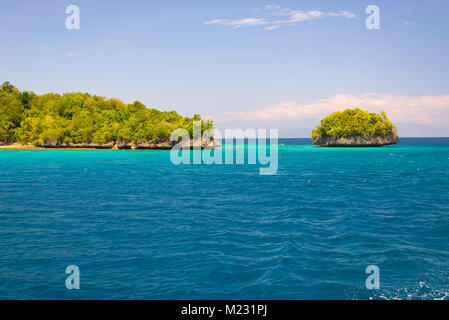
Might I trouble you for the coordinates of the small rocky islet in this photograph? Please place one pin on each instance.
(355, 128)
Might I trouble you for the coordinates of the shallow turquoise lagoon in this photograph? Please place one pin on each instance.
(138, 226)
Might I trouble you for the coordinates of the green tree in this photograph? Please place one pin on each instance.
(354, 122)
(83, 118)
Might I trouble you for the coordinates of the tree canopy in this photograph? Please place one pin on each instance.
(354, 122)
(81, 117)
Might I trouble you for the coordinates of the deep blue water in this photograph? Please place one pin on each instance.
(138, 226)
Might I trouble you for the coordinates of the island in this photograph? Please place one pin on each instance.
(355, 128)
(82, 120)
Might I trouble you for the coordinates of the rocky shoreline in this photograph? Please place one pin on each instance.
(358, 141)
(114, 145)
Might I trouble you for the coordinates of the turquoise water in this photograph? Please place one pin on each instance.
(139, 227)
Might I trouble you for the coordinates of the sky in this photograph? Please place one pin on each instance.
(243, 63)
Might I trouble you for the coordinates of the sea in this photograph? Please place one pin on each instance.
(137, 226)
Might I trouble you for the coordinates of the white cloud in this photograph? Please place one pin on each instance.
(272, 6)
(250, 22)
(298, 16)
(273, 27)
(291, 17)
(423, 110)
(342, 13)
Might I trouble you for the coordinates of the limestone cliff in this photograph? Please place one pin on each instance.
(358, 140)
(133, 145)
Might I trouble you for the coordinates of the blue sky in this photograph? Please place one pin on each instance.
(218, 59)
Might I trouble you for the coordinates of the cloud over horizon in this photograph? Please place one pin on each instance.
(278, 17)
(430, 110)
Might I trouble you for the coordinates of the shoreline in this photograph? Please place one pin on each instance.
(31, 147)
(114, 146)
(63, 148)
(18, 146)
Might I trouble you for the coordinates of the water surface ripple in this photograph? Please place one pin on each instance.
(140, 227)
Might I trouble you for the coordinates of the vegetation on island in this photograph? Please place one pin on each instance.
(26, 117)
(353, 122)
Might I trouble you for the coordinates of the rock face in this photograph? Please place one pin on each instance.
(133, 145)
(358, 141)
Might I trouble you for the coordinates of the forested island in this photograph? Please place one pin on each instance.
(355, 128)
(82, 120)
